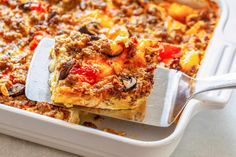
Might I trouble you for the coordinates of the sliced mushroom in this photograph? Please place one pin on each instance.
(65, 69)
(129, 83)
(16, 90)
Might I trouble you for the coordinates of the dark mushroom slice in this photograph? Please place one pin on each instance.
(65, 69)
(17, 90)
(129, 83)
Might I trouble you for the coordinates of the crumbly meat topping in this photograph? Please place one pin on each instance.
(104, 25)
(83, 51)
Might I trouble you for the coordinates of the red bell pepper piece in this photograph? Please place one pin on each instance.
(87, 73)
(38, 36)
(40, 7)
(169, 51)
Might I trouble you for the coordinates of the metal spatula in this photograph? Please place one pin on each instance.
(170, 94)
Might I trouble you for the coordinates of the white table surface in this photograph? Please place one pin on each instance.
(210, 133)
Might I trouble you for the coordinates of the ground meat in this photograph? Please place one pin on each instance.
(192, 19)
(74, 44)
(153, 11)
(205, 15)
(104, 47)
(36, 18)
(161, 33)
(11, 36)
(43, 107)
(94, 4)
(69, 4)
(16, 22)
(4, 65)
(71, 80)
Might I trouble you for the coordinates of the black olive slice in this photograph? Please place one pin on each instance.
(85, 30)
(93, 37)
(65, 69)
(25, 6)
(52, 15)
(17, 90)
(129, 83)
(91, 28)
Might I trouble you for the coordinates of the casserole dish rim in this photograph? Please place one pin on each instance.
(188, 112)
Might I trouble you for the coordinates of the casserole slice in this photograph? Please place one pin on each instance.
(99, 73)
(104, 73)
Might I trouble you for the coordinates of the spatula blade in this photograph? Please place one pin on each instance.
(37, 87)
(163, 104)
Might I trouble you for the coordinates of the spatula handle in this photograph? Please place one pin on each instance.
(227, 81)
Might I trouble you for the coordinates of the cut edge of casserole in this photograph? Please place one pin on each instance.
(64, 93)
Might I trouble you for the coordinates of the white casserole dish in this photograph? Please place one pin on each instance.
(141, 141)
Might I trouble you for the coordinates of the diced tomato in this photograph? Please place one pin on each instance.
(89, 73)
(169, 51)
(40, 7)
(38, 36)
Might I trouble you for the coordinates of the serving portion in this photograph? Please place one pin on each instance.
(105, 51)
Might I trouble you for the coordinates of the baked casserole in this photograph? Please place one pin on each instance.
(105, 51)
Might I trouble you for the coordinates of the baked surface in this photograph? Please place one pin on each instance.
(145, 33)
(108, 63)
